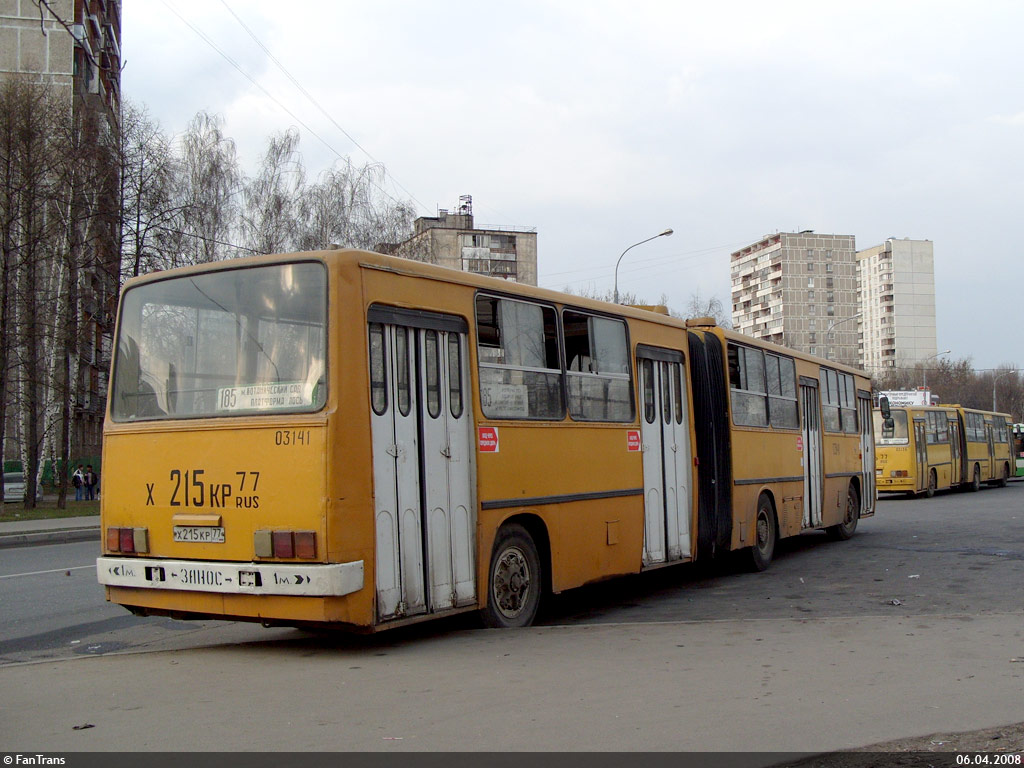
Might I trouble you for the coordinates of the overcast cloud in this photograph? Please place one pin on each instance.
(602, 123)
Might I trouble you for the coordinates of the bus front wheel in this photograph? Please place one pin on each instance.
(932, 482)
(765, 534)
(851, 515)
(513, 591)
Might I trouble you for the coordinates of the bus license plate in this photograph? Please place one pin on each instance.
(199, 533)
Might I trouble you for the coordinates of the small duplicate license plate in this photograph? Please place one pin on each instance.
(199, 533)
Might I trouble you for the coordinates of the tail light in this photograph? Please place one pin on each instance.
(286, 545)
(128, 541)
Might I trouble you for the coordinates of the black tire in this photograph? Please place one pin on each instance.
(1001, 482)
(975, 480)
(932, 482)
(765, 535)
(514, 586)
(851, 515)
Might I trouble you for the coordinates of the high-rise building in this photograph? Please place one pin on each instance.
(74, 48)
(798, 289)
(452, 240)
(896, 290)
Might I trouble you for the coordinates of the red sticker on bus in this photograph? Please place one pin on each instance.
(488, 439)
(800, 442)
(633, 440)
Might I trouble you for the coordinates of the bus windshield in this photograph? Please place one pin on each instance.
(898, 435)
(237, 341)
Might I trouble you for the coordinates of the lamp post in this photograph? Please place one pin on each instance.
(833, 324)
(924, 370)
(994, 380)
(666, 233)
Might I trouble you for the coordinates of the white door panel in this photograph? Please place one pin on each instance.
(423, 460)
(813, 477)
(665, 439)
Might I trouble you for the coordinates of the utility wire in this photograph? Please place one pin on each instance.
(246, 75)
(316, 104)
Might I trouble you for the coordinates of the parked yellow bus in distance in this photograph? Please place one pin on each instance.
(922, 449)
(352, 439)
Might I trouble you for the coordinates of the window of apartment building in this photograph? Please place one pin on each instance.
(810, 295)
(814, 338)
(831, 296)
(812, 309)
(810, 253)
(812, 324)
(810, 266)
(828, 283)
(831, 310)
(810, 282)
(828, 254)
(828, 267)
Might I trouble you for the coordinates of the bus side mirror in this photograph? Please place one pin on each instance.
(889, 426)
(883, 406)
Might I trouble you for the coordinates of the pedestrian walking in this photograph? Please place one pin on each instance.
(78, 480)
(91, 481)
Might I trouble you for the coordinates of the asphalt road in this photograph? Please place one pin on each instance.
(913, 626)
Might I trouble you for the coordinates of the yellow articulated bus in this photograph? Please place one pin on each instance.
(923, 449)
(352, 439)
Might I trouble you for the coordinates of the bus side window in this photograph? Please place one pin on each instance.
(378, 376)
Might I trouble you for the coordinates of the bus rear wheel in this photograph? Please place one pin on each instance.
(932, 482)
(765, 534)
(851, 515)
(513, 591)
(1004, 476)
(975, 480)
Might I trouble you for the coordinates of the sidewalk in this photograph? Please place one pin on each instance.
(56, 531)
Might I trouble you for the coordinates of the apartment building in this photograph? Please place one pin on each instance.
(896, 290)
(799, 289)
(452, 240)
(74, 46)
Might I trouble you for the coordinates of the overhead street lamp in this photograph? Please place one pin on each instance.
(994, 380)
(666, 233)
(833, 324)
(924, 370)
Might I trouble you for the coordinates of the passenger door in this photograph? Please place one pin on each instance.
(665, 439)
(812, 439)
(422, 463)
(867, 453)
(956, 463)
(921, 454)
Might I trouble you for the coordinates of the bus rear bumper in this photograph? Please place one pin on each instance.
(329, 580)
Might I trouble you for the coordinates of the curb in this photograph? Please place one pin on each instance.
(35, 538)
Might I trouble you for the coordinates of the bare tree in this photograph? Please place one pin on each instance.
(347, 206)
(209, 183)
(273, 196)
(150, 209)
(698, 306)
(30, 151)
(956, 381)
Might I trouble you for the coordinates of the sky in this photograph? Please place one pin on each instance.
(603, 123)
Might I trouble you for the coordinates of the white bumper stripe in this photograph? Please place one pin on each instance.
(331, 580)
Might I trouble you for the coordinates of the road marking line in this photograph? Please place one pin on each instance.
(54, 570)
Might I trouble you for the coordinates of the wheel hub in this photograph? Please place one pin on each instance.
(511, 582)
